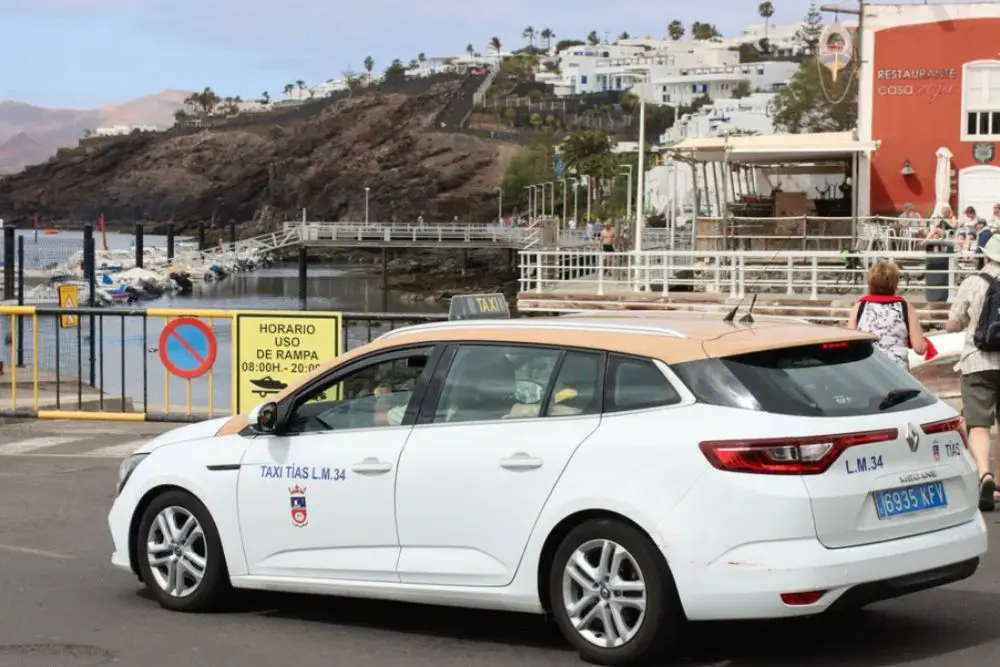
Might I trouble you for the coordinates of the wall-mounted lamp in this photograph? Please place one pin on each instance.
(907, 170)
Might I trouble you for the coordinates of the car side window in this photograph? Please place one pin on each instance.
(488, 382)
(635, 384)
(371, 396)
(577, 390)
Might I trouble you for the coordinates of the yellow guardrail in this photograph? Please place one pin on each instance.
(109, 364)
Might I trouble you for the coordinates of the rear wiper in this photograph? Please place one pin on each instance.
(897, 396)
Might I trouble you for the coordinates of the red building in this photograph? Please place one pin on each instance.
(930, 95)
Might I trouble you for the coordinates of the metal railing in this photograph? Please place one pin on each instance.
(411, 234)
(783, 275)
(653, 238)
(819, 233)
(89, 363)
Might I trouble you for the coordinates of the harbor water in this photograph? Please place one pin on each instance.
(126, 355)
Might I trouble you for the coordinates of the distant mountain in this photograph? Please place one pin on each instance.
(22, 150)
(31, 134)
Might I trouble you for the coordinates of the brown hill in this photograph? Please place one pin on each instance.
(22, 150)
(319, 161)
(43, 130)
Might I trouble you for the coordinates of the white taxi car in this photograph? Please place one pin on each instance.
(621, 473)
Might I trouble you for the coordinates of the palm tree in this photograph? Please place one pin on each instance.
(625, 35)
(704, 31)
(301, 85)
(470, 49)
(675, 30)
(265, 97)
(547, 35)
(589, 153)
(496, 46)
(529, 34)
(414, 64)
(766, 11)
(208, 100)
(369, 66)
(289, 87)
(593, 39)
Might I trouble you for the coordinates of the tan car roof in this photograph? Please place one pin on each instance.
(670, 337)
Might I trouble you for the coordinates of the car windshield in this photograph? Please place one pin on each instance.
(829, 380)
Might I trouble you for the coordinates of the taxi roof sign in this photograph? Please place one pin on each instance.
(479, 307)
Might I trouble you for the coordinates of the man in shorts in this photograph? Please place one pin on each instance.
(608, 241)
(980, 371)
(608, 238)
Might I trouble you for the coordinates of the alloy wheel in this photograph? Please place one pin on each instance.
(604, 593)
(177, 551)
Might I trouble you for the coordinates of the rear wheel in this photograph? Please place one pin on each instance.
(180, 553)
(613, 596)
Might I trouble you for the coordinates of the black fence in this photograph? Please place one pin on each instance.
(107, 361)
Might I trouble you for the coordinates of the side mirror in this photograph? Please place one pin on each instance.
(264, 418)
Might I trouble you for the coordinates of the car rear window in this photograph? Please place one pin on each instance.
(830, 380)
(636, 384)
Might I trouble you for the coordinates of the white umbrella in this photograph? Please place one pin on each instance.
(942, 180)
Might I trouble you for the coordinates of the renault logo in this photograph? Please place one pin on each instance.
(912, 437)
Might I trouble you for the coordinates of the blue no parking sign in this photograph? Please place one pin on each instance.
(188, 347)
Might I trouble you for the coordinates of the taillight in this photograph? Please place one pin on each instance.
(956, 424)
(812, 455)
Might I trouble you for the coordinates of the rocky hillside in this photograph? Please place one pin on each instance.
(321, 163)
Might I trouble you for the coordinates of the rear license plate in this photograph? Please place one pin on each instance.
(910, 499)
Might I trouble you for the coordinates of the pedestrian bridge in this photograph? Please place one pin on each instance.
(403, 235)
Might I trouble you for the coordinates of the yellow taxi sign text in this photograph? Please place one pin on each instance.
(479, 307)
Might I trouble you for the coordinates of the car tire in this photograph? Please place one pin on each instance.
(172, 564)
(614, 592)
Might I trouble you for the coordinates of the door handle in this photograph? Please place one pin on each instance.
(371, 466)
(521, 461)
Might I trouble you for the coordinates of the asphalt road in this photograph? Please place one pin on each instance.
(63, 605)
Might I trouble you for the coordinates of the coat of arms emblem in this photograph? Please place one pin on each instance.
(300, 515)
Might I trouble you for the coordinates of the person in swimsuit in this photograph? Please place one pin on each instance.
(608, 241)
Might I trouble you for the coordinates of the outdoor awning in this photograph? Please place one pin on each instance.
(773, 148)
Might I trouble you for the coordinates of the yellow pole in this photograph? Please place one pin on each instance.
(13, 362)
(34, 358)
(211, 376)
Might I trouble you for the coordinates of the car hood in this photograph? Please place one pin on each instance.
(187, 433)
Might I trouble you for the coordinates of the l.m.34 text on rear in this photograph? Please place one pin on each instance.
(863, 464)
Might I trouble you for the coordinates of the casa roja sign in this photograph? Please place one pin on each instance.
(927, 84)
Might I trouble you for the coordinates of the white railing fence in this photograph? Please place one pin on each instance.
(812, 276)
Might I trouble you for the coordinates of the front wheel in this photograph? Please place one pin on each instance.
(180, 553)
(613, 595)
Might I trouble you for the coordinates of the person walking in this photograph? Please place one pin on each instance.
(975, 311)
(889, 316)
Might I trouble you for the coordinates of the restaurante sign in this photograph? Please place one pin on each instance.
(925, 74)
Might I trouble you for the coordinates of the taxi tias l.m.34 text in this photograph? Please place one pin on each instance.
(621, 473)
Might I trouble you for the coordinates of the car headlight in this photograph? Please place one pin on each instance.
(126, 469)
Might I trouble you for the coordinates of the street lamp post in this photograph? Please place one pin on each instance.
(628, 199)
(552, 199)
(528, 188)
(640, 174)
(588, 199)
(576, 199)
(562, 218)
(367, 189)
(499, 206)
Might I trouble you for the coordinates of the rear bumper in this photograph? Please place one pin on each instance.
(747, 582)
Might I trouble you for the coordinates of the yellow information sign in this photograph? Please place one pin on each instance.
(272, 349)
(69, 297)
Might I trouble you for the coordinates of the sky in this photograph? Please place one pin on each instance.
(91, 53)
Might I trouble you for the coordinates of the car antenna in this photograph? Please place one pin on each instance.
(748, 318)
(731, 315)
